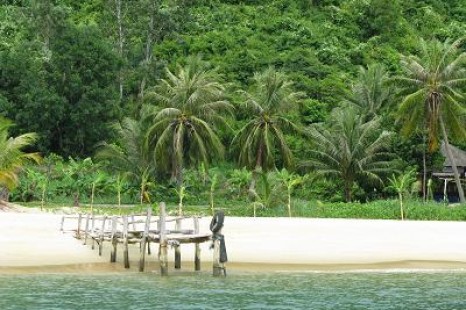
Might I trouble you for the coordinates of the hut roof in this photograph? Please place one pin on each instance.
(458, 154)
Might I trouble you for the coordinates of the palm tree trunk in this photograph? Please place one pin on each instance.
(348, 185)
(424, 174)
(452, 161)
(255, 173)
(400, 196)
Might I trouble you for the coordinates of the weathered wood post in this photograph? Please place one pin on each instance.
(197, 247)
(86, 229)
(144, 241)
(220, 252)
(62, 223)
(101, 235)
(218, 267)
(177, 246)
(114, 239)
(125, 242)
(133, 220)
(78, 231)
(163, 258)
(92, 229)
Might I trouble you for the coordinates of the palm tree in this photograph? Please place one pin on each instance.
(191, 107)
(371, 92)
(351, 149)
(131, 157)
(433, 87)
(271, 100)
(12, 156)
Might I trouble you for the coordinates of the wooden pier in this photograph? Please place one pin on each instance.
(145, 230)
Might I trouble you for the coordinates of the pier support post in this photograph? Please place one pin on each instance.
(177, 247)
(78, 231)
(163, 258)
(86, 229)
(114, 239)
(102, 235)
(218, 267)
(197, 247)
(125, 242)
(144, 241)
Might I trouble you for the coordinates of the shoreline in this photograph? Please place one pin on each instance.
(31, 243)
(243, 268)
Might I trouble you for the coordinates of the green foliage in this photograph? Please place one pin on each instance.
(270, 103)
(433, 85)
(352, 149)
(70, 69)
(189, 105)
(13, 157)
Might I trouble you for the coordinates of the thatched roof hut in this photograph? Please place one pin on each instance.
(460, 160)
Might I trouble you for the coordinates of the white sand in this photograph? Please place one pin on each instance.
(35, 240)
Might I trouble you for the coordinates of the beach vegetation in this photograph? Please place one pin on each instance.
(270, 105)
(190, 107)
(217, 97)
(433, 84)
(351, 149)
(402, 184)
(13, 156)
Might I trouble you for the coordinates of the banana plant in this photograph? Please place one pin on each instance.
(99, 177)
(40, 181)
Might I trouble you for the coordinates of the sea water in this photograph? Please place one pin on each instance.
(277, 290)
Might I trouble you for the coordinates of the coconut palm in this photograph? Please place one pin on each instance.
(371, 92)
(434, 100)
(262, 138)
(352, 150)
(131, 157)
(191, 107)
(12, 156)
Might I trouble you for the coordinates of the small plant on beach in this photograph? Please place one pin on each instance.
(267, 194)
(290, 180)
(120, 183)
(401, 184)
(40, 180)
(99, 177)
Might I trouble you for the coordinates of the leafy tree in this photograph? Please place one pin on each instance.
(12, 156)
(433, 95)
(270, 103)
(351, 149)
(191, 106)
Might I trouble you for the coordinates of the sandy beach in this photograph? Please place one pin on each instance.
(31, 242)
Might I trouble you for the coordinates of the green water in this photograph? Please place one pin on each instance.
(388, 290)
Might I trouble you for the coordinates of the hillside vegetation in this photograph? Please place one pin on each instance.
(215, 98)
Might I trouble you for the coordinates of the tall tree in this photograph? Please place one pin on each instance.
(192, 106)
(270, 103)
(434, 99)
(351, 149)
